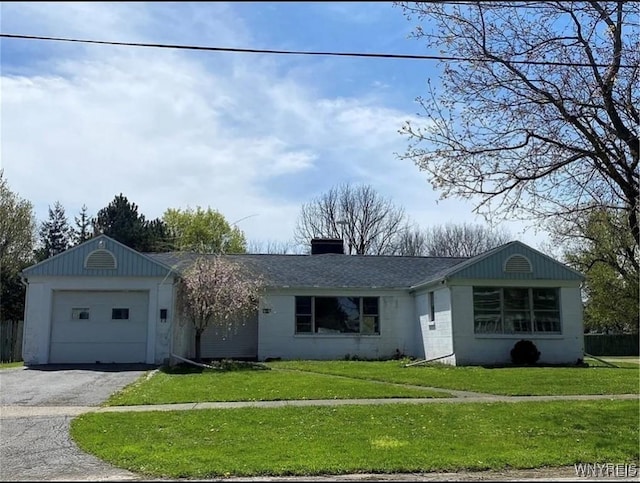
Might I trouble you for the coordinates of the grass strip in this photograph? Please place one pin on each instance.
(509, 381)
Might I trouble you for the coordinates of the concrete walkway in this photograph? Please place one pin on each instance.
(9, 412)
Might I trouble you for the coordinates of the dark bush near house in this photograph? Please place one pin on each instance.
(525, 352)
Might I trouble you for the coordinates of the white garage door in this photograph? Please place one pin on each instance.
(106, 327)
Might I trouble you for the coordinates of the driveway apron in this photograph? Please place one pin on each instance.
(35, 445)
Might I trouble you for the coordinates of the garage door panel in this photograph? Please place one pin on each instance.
(98, 337)
(109, 332)
(106, 353)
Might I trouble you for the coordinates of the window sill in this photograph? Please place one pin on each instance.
(523, 335)
(334, 336)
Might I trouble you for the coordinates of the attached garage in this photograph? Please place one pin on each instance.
(99, 326)
(101, 302)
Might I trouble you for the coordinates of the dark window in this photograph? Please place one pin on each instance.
(432, 307)
(337, 315)
(119, 314)
(546, 310)
(80, 313)
(512, 310)
(517, 310)
(487, 311)
(304, 315)
(370, 316)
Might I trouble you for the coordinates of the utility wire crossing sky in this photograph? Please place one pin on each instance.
(299, 52)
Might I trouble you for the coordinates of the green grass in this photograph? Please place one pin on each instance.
(354, 439)
(10, 365)
(196, 385)
(511, 381)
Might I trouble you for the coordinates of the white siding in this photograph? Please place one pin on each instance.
(183, 338)
(436, 336)
(37, 323)
(164, 300)
(277, 338)
(472, 349)
(239, 343)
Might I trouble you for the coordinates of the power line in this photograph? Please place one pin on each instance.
(295, 52)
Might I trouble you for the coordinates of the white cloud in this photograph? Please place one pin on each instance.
(171, 129)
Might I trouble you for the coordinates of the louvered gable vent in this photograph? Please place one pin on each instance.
(517, 264)
(100, 259)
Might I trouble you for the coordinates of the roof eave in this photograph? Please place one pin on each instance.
(335, 287)
(428, 283)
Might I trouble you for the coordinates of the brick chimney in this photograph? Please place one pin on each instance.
(321, 246)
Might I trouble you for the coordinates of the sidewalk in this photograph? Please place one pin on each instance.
(34, 411)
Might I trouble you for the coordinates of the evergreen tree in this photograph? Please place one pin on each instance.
(82, 231)
(55, 233)
(158, 238)
(120, 220)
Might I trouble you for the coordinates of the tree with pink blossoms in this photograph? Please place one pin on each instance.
(217, 292)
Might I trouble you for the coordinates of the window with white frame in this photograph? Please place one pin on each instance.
(120, 314)
(514, 310)
(80, 313)
(432, 307)
(337, 315)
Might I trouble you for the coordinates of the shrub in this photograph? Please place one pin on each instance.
(525, 352)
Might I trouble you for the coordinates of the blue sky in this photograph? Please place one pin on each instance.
(254, 136)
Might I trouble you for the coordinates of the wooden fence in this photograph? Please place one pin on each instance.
(611, 344)
(11, 340)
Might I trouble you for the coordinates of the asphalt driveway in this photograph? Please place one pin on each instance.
(38, 447)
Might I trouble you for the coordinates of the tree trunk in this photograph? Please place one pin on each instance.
(198, 345)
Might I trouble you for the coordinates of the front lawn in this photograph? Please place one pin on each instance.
(510, 381)
(356, 439)
(197, 385)
(11, 365)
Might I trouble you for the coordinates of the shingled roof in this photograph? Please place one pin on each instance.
(330, 270)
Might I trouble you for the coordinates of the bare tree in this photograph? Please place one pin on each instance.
(450, 240)
(275, 247)
(215, 291)
(462, 240)
(540, 120)
(367, 222)
(412, 242)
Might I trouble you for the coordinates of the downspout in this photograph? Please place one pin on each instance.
(453, 332)
(188, 361)
(425, 361)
